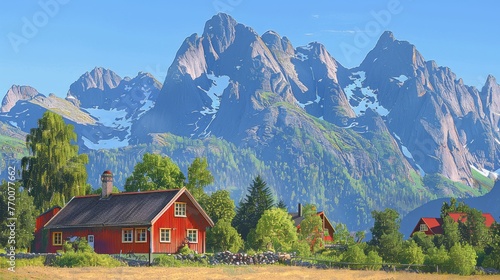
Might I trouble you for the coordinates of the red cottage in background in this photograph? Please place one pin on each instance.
(138, 222)
(432, 226)
(328, 229)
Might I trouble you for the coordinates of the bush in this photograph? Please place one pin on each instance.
(302, 248)
(462, 259)
(185, 250)
(375, 260)
(38, 261)
(85, 259)
(168, 261)
(437, 257)
(355, 254)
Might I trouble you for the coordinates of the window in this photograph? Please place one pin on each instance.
(57, 238)
(140, 235)
(180, 209)
(127, 234)
(165, 234)
(423, 227)
(192, 235)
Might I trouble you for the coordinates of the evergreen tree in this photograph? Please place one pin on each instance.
(155, 173)
(385, 234)
(198, 178)
(258, 200)
(473, 230)
(53, 167)
(281, 204)
(451, 233)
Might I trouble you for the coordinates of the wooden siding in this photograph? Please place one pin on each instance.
(41, 220)
(179, 227)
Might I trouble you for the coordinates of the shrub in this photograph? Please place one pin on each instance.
(85, 259)
(185, 250)
(375, 260)
(355, 254)
(168, 261)
(437, 257)
(462, 259)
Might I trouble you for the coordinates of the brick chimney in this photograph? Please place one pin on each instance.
(107, 184)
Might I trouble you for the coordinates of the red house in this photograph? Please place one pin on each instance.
(138, 222)
(432, 226)
(328, 229)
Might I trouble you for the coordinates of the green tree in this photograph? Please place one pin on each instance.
(423, 241)
(453, 206)
(374, 260)
(462, 259)
(220, 206)
(412, 253)
(342, 235)
(451, 233)
(492, 259)
(311, 228)
(473, 230)
(24, 213)
(155, 173)
(439, 258)
(198, 178)
(258, 200)
(224, 237)
(355, 254)
(281, 204)
(53, 166)
(99, 190)
(276, 230)
(385, 234)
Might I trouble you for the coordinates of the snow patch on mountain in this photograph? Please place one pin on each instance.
(401, 78)
(113, 119)
(362, 98)
(408, 154)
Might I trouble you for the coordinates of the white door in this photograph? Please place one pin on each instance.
(90, 240)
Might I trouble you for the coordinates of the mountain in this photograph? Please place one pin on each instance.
(396, 131)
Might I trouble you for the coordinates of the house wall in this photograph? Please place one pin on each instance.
(179, 227)
(39, 223)
(417, 229)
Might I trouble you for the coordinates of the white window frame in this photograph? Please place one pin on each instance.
(139, 234)
(59, 234)
(180, 209)
(195, 231)
(126, 234)
(169, 230)
(424, 227)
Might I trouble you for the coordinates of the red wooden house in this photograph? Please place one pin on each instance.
(432, 226)
(328, 229)
(139, 222)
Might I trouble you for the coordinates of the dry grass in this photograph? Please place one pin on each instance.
(225, 272)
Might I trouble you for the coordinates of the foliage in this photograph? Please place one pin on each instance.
(281, 204)
(492, 258)
(473, 231)
(423, 241)
(224, 237)
(462, 259)
(99, 190)
(302, 248)
(198, 178)
(385, 234)
(258, 200)
(24, 213)
(80, 254)
(451, 234)
(276, 230)
(37, 261)
(219, 206)
(311, 228)
(374, 260)
(342, 235)
(53, 166)
(437, 257)
(168, 261)
(355, 254)
(453, 207)
(155, 172)
(412, 253)
(184, 250)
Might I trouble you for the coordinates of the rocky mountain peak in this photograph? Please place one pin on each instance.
(16, 93)
(221, 30)
(98, 78)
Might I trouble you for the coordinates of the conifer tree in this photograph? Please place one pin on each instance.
(258, 200)
(54, 169)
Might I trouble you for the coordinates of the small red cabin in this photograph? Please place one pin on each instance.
(138, 222)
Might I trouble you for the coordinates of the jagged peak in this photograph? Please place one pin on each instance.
(491, 80)
(218, 21)
(16, 93)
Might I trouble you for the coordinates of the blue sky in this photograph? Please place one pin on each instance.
(49, 44)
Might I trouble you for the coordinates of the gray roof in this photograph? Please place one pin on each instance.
(120, 209)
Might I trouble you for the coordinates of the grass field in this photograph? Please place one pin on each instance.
(220, 272)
